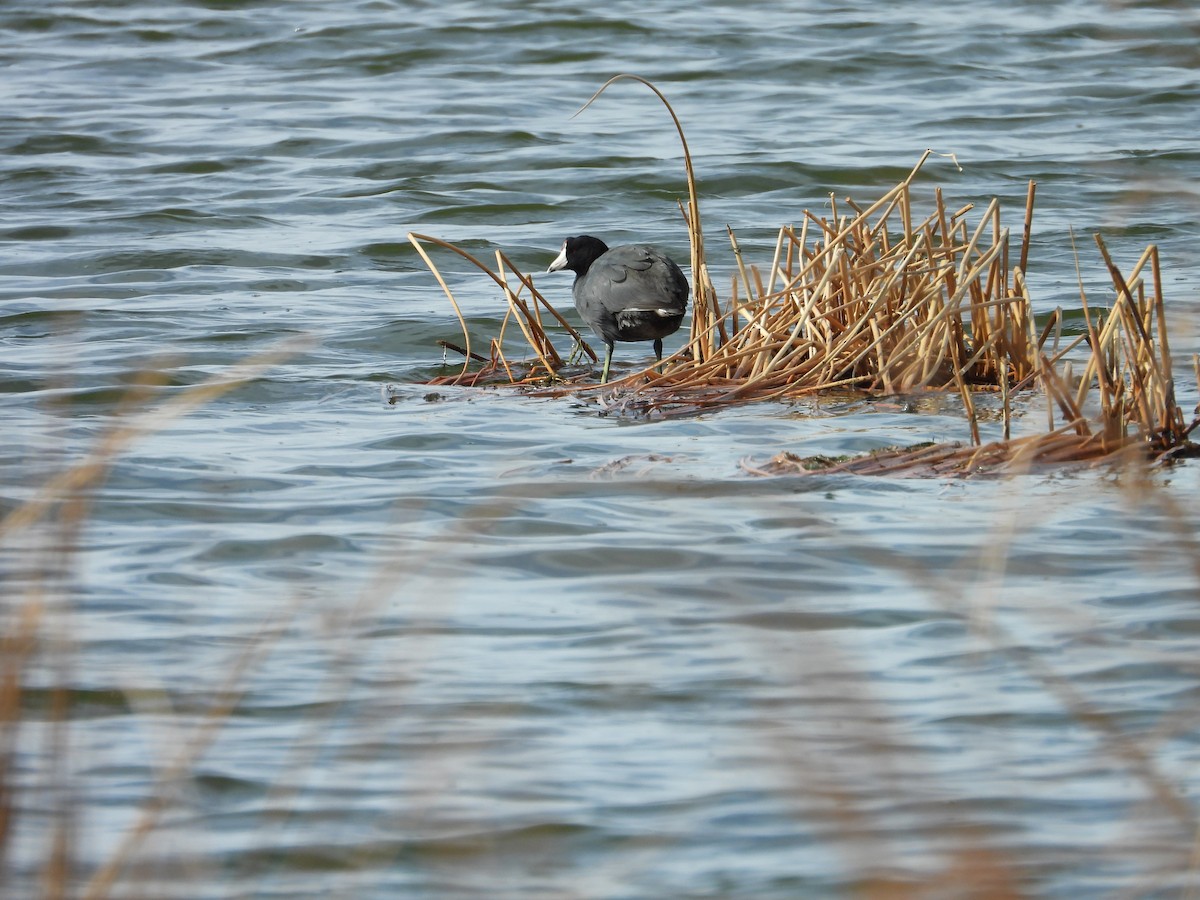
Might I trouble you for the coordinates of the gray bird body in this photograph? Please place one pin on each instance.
(633, 292)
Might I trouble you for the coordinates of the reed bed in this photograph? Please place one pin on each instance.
(886, 303)
(883, 299)
(875, 299)
(1120, 406)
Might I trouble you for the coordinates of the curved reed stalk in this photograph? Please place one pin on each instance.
(705, 306)
(528, 318)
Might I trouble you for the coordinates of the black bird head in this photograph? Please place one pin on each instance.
(578, 254)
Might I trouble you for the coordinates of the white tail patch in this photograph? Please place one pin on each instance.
(656, 311)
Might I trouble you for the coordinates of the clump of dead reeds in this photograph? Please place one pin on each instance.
(1120, 405)
(882, 299)
(873, 299)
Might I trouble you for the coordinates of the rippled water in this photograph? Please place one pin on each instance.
(488, 645)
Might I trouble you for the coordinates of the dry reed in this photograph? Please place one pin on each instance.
(32, 633)
(1120, 407)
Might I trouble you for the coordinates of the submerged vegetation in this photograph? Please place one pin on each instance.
(884, 299)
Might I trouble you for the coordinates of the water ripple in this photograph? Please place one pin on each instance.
(495, 642)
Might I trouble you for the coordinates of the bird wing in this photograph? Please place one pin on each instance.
(638, 278)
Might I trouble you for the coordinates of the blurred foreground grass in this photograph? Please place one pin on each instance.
(46, 804)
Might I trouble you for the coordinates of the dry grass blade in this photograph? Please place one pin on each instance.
(101, 883)
(31, 635)
(526, 314)
(89, 472)
(705, 306)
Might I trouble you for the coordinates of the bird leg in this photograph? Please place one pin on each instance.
(608, 350)
(658, 353)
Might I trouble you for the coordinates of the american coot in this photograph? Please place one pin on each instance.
(629, 293)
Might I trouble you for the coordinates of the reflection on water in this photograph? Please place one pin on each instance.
(471, 643)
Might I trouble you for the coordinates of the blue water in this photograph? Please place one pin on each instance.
(478, 644)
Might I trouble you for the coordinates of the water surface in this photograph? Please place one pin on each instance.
(481, 644)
